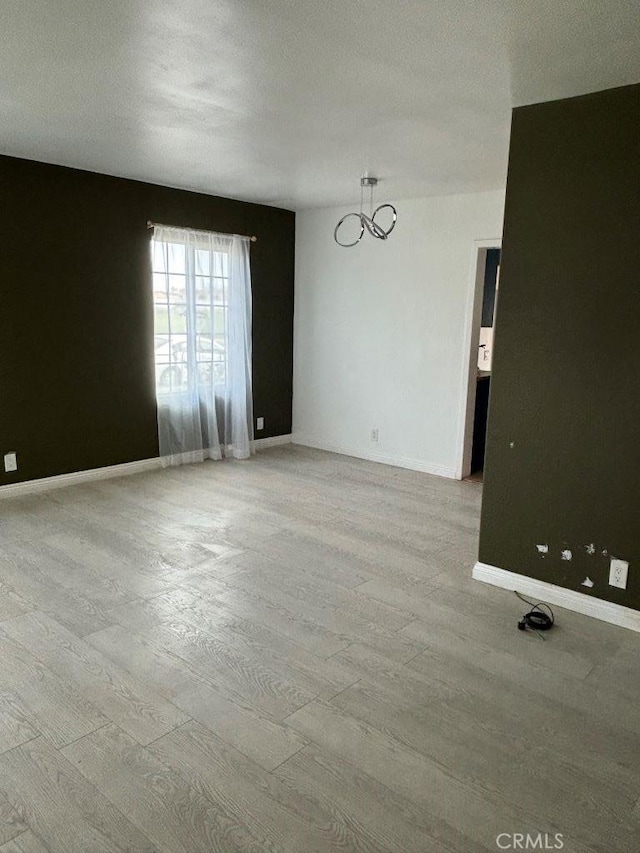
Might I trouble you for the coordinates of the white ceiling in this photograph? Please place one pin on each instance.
(288, 102)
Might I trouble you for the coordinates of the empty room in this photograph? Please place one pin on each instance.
(319, 444)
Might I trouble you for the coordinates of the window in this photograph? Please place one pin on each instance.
(202, 302)
(191, 303)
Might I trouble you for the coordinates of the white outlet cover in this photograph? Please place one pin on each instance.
(259, 423)
(10, 462)
(618, 571)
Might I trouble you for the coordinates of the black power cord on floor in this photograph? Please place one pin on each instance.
(537, 619)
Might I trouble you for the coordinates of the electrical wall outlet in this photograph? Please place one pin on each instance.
(374, 435)
(10, 462)
(618, 571)
(259, 423)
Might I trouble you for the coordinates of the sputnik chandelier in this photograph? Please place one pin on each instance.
(367, 222)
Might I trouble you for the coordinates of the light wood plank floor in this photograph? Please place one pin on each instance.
(288, 654)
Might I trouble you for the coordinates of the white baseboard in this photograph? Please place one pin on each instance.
(616, 614)
(45, 484)
(371, 456)
(272, 441)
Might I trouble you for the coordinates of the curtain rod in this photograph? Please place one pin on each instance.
(151, 224)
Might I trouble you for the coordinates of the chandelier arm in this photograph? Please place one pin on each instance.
(393, 220)
(357, 240)
(373, 228)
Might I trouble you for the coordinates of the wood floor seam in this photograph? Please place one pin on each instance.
(22, 743)
(284, 761)
(75, 740)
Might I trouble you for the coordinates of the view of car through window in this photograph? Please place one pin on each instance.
(190, 288)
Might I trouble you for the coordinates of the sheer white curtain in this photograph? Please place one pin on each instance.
(202, 299)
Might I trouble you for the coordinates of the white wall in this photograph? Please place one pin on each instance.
(380, 331)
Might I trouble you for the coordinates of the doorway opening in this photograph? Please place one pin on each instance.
(483, 301)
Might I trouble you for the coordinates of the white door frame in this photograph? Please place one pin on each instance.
(473, 320)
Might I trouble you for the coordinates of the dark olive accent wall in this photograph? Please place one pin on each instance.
(76, 313)
(563, 456)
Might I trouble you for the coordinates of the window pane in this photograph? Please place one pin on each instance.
(219, 372)
(203, 262)
(178, 318)
(203, 290)
(170, 377)
(176, 252)
(221, 264)
(219, 321)
(219, 349)
(178, 349)
(204, 348)
(177, 288)
(159, 287)
(219, 291)
(162, 348)
(158, 258)
(204, 373)
(161, 320)
(204, 322)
